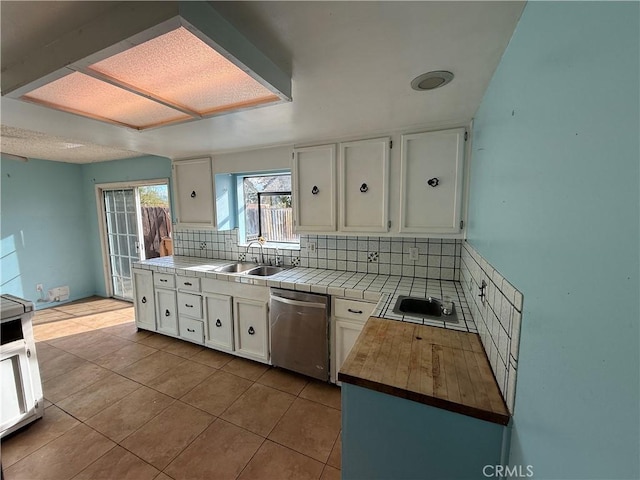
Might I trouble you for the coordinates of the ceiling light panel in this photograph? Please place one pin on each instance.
(180, 69)
(85, 95)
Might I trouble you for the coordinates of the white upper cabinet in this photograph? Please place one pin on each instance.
(193, 187)
(431, 182)
(364, 185)
(314, 189)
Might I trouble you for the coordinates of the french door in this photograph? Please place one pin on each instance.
(135, 218)
(121, 207)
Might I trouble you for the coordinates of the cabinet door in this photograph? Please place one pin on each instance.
(314, 189)
(144, 303)
(251, 329)
(431, 176)
(18, 402)
(219, 322)
(193, 183)
(167, 313)
(364, 185)
(346, 336)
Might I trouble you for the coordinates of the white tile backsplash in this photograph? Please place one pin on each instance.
(498, 320)
(437, 258)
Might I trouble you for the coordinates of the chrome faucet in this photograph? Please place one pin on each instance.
(277, 260)
(261, 252)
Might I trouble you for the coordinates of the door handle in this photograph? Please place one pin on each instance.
(191, 330)
(359, 312)
(251, 331)
(218, 323)
(167, 313)
(144, 300)
(188, 306)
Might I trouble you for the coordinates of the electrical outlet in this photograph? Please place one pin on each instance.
(413, 253)
(39, 287)
(311, 246)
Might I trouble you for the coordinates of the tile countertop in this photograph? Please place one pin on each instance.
(384, 289)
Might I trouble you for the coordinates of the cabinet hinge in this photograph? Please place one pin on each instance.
(466, 135)
(391, 144)
(293, 155)
(461, 224)
(389, 224)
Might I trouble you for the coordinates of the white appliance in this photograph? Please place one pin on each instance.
(21, 400)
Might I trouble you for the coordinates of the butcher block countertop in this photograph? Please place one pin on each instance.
(443, 368)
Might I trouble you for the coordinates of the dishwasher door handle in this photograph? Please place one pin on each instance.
(297, 303)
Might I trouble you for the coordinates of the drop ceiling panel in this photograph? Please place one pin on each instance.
(85, 95)
(182, 69)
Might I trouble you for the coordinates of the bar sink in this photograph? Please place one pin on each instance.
(424, 307)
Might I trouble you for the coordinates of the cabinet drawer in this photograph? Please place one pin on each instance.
(188, 284)
(164, 280)
(190, 305)
(192, 330)
(352, 309)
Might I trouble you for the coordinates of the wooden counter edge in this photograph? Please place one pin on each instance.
(481, 414)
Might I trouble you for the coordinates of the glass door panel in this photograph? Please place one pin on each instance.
(122, 234)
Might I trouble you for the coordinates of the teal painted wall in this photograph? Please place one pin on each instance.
(391, 438)
(554, 206)
(49, 222)
(141, 168)
(44, 231)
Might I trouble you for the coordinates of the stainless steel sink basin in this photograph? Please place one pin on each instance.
(246, 268)
(264, 271)
(424, 307)
(236, 267)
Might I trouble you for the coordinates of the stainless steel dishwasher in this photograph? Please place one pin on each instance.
(300, 332)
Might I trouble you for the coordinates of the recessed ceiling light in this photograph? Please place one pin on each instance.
(431, 80)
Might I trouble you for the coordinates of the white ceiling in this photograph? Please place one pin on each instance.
(351, 65)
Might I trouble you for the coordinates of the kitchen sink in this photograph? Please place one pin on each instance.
(246, 268)
(424, 307)
(264, 271)
(236, 267)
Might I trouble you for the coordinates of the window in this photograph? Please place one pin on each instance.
(267, 208)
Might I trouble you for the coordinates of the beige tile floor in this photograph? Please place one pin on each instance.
(127, 404)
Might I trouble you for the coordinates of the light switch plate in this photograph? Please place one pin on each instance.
(311, 246)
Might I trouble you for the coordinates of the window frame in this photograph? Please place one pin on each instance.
(241, 214)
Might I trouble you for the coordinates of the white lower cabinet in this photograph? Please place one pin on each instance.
(166, 311)
(251, 324)
(219, 326)
(349, 317)
(143, 299)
